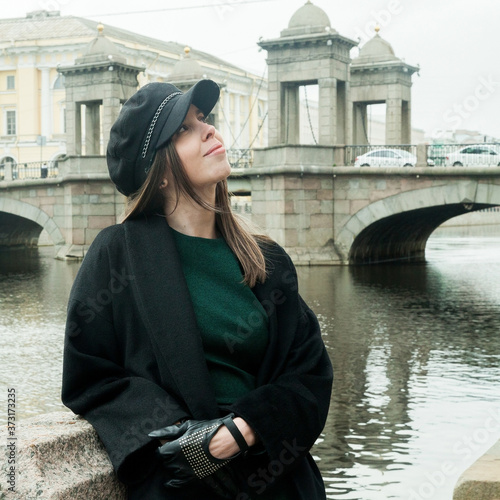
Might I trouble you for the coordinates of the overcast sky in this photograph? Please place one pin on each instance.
(455, 42)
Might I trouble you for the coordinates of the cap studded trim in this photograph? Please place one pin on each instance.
(153, 122)
(196, 456)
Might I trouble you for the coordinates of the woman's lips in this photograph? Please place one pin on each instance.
(217, 149)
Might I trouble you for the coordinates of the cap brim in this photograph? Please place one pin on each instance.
(204, 95)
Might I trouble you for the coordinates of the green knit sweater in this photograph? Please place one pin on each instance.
(232, 322)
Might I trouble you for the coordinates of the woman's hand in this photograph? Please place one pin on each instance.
(163, 441)
(223, 445)
(187, 454)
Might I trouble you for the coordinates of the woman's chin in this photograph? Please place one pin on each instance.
(225, 171)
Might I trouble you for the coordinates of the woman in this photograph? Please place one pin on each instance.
(188, 347)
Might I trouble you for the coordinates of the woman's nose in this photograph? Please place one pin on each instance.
(209, 131)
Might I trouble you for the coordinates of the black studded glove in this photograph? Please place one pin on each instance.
(186, 455)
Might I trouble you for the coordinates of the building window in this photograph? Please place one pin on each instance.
(11, 122)
(11, 82)
(59, 83)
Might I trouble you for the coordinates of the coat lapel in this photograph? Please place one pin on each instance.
(168, 314)
(271, 294)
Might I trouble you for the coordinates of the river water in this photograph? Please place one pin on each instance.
(415, 349)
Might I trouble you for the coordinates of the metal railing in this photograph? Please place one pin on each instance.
(240, 158)
(457, 155)
(242, 208)
(380, 155)
(439, 155)
(31, 170)
(453, 155)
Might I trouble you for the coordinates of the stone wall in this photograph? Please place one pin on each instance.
(297, 211)
(58, 456)
(293, 200)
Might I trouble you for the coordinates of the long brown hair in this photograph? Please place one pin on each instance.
(149, 200)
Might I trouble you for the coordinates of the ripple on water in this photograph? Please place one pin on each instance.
(415, 349)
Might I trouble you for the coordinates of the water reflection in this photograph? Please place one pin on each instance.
(34, 288)
(416, 355)
(415, 349)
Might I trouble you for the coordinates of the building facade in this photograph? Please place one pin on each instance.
(33, 96)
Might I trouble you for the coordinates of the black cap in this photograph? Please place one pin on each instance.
(146, 123)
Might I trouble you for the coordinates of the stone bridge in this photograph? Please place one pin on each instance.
(358, 215)
(320, 214)
(72, 207)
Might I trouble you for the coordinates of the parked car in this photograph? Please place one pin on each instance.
(387, 158)
(481, 155)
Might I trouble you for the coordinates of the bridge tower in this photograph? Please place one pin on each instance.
(96, 85)
(378, 76)
(309, 52)
(99, 82)
(292, 197)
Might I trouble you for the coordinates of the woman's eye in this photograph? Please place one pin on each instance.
(183, 128)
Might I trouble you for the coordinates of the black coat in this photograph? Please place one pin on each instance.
(134, 362)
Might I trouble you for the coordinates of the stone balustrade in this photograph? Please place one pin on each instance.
(58, 456)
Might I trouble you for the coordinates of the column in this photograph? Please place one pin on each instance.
(73, 125)
(348, 114)
(264, 129)
(92, 129)
(393, 121)
(110, 111)
(290, 114)
(341, 112)
(327, 111)
(227, 119)
(405, 123)
(237, 121)
(78, 128)
(245, 132)
(360, 123)
(45, 103)
(274, 91)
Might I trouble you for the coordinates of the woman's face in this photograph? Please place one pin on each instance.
(201, 150)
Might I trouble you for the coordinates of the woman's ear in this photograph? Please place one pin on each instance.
(163, 183)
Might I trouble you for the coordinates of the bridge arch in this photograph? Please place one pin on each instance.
(397, 228)
(22, 223)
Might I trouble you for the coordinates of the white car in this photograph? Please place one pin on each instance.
(481, 155)
(387, 158)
